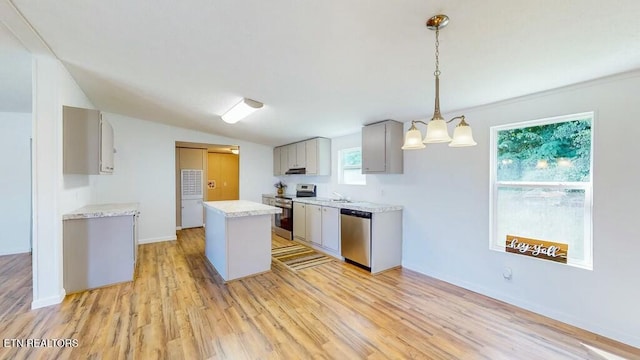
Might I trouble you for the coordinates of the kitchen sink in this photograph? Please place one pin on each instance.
(340, 200)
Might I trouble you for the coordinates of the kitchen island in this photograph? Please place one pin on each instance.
(238, 237)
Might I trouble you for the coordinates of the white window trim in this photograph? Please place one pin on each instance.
(586, 186)
(342, 167)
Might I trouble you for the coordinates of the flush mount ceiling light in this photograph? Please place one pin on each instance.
(437, 131)
(241, 110)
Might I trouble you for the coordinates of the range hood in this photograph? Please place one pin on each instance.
(296, 171)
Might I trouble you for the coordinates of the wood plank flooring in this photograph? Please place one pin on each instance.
(179, 308)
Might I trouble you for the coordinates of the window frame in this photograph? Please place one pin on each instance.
(587, 187)
(342, 167)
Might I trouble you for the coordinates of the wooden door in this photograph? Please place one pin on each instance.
(223, 177)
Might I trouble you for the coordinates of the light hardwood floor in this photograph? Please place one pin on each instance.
(179, 308)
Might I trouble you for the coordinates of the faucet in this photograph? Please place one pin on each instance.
(340, 197)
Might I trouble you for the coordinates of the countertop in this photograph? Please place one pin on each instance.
(240, 208)
(353, 205)
(102, 210)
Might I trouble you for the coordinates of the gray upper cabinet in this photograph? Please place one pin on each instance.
(314, 155)
(381, 148)
(297, 155)
(318, 156)
(87, 142)
(276, 161)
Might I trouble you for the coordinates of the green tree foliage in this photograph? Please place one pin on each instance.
(552, 152)
(353, 158)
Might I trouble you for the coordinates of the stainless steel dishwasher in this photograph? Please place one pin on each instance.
(355, 235)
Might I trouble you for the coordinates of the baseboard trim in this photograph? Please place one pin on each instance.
(623, 337)
(156, 240)
(51, 300)
(178, 228)
(16, 252)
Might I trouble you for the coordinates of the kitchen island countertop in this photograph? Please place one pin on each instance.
(241, 208)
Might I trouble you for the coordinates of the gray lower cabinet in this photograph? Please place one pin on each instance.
(98, 251)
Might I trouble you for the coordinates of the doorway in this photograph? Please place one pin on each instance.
(211, 168)
(16, 124)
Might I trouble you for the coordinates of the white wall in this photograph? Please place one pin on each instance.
(15, 183)
(445, 194)
(53, 87)
(446, 221)
(145, 172)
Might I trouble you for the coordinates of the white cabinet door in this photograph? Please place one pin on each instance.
(284, 160)
(314, 224)
(296, 155)
(106, 146)
(311, 150)
(276, 162)
(373, 148)
(301, 154)
(292, 156)
(299, 221)
(331, 228)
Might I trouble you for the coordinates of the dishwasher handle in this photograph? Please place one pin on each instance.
(356, 213)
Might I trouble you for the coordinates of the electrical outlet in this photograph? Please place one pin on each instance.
(507, 273)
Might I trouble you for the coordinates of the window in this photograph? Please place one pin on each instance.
(541, 184)
(350, 167)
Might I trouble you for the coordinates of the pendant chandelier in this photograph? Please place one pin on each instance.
(437, 131)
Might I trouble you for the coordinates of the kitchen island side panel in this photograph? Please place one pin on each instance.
(249, 246)
(216, 241)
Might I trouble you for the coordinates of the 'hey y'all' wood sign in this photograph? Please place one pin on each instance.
(540, 249)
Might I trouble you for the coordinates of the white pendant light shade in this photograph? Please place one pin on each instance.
(436, 132)
(413, 140)
(241, 110)
(462, 136)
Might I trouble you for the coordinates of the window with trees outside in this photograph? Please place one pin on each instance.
(350, 167)
(541, 184)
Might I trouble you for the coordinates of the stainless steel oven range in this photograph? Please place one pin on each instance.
(283, 223)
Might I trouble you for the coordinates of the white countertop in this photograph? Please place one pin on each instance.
(354, 205)
(240, 208)
(102, 210)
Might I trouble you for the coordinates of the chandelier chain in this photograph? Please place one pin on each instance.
(437, 72)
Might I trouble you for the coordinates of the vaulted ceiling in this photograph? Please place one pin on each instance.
(15, 74)
(325, 68)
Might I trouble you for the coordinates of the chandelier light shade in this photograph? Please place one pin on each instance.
(413, 139)
(437, 131)
(241, 110)
(462, 135)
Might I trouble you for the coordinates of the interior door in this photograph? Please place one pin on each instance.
(223, 177)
